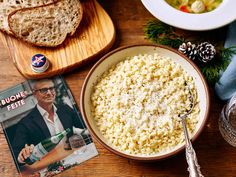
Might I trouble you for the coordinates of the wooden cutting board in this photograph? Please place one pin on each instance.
(95, 35)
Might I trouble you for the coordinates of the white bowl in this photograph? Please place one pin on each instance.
(120, 54)
(222, 15)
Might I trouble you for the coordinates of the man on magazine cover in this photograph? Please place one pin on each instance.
(45, 120)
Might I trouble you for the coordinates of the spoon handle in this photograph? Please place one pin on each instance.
(193, 166)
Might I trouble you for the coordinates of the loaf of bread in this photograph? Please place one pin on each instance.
(46, 25)
(9, 6)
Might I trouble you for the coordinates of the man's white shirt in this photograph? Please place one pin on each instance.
(54, 126)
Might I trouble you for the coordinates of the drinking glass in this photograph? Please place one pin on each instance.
(227, 121)
(77, 143)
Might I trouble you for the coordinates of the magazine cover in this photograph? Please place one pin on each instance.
(43, 127)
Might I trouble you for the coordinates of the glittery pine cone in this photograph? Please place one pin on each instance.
(206, 52)
(189, 50)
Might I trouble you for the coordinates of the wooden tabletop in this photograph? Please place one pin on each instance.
(216, 157)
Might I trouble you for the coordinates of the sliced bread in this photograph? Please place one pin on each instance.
(46, 25)
(9, 6)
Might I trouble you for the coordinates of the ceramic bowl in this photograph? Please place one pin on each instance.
(222, 15)
(120, 54)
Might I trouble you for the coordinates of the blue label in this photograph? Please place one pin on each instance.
(38, 60)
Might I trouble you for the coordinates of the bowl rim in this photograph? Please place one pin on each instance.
(198, 22)
(143, 158)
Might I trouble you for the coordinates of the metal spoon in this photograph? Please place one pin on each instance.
(193, 166)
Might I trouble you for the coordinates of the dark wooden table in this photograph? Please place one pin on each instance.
(216, 157)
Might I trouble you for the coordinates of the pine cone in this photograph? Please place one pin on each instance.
(206, 52)
(189, 50)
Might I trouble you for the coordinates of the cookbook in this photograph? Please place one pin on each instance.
(43, 127)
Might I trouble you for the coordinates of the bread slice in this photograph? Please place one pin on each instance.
(46, 25)
(9, 6)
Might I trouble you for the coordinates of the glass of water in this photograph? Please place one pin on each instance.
(77, 143)
(227, 121)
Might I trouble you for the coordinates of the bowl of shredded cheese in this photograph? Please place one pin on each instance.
(132, 98)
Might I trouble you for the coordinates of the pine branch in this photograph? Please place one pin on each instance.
(155, 28)
(164, 34)
(227, 53)
(212, 70)
(171, 42)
